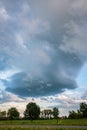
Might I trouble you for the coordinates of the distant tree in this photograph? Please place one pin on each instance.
(47, 113)
(42, 114)
(32, 111)
(55, 113)
(50, 113)
(79, 115)
(72, 115)
(83, 109)
(2, 114)
(13, 113)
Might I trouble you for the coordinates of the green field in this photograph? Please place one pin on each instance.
(47, 122)
(38, 129)
(67, 122)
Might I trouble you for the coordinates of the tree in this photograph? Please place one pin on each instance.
(50, 113)
(79, 115)
(2, 114)
(32, 111)
(83, 109)
(55, 113)
(13, 113)
(72, 115)
(47, 113)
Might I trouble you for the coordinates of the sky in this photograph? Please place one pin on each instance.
(43, 54)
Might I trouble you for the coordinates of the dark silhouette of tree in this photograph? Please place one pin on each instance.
(83, 109)
(50, 113)
(73, 115)
(2, 114)
(13, 113)
(42, 114)
(46, 113)
(55, 113)
(81, 113)
(32, 111)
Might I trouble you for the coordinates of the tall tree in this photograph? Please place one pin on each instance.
(50, 113)
(32, 111)
(47, 113)
(83, 109)
(2, 114)
(13, 113)
(72, 115)
(56, 113)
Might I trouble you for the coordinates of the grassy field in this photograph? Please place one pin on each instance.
(68, 122)
(47, 122)
(38, 129)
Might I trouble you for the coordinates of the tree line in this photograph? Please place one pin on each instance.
(33, 112)
(80, 113)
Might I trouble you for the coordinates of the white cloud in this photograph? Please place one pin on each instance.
(20, 40)
(65, 102)
(25, 9)
(3, 14)
(7, 73)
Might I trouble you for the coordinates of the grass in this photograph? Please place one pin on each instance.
(73, 122)
(46, 122)
(40, 129)
(67, 122)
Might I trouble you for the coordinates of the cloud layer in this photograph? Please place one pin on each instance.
(42, 44)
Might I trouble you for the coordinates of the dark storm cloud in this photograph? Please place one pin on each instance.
(57, 77)
(23, 86)
(35, 37)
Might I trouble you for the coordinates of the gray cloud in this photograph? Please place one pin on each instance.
(4, 61)
(52, 77)
(84, 96)
(43, 41)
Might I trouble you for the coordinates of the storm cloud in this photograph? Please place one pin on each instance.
(45, 42)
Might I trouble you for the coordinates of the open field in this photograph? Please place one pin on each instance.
(80, 122)
(40, 129)
(63, 124)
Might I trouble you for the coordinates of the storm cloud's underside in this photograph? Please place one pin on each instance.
(43, 43)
